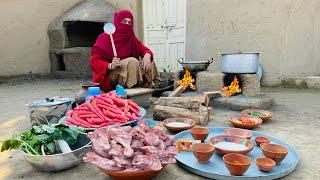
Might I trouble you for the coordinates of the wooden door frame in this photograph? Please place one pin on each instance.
(144, 14)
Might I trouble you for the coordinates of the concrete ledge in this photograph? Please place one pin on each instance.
(313, 82)
(242, 102)
(140, 96)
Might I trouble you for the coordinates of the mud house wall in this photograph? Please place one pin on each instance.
(287, 33)
(24, 43)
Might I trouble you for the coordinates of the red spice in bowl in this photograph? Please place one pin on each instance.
(202, 151)
(237, 164)
(199, 133)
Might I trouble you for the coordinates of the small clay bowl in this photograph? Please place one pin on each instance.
(199, 133)
(265, 164)
(190, 123)
(237, 164)
(274, 151)
(238, 132)
(265, 117)
(236, 122)
(202, 151)
(259, 140)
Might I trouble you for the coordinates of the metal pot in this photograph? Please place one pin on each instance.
(195, 65)
(239, 62)
(58, 162)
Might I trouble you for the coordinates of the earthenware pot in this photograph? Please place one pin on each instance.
(275, 152)
(236, 122)
(202, 151)
(238, 132)
(231, 139)
(237, 164)
(259, 140)
(80, 97)
(265, 117)
(199, 133)
(190, 123)
(265, 164)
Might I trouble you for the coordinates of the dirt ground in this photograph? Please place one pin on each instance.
(296, 121)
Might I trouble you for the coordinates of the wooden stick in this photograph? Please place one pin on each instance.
(176, 92)
(113, 46)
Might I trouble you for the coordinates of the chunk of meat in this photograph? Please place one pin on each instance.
(116, 150)
(151, 139)
(126, 128)
(161, 145)
(136, 144)
(114, 132)
(101, 162)
(169, 141)
(158, 131)
(125, 140)
(138, 132)
(167, 156)
(150, 150)
(121, 161)
(100, 142)
(146, 162)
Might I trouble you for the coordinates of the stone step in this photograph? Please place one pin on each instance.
(313, 82)
(140, 96)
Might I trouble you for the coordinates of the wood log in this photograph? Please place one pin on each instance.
(189, 102)
(164, 112)
(177, 92)
(212, 94)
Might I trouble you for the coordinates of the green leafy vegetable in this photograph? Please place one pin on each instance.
(41, 139)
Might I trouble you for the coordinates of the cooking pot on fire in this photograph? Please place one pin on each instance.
(242, 62)
(195, 65)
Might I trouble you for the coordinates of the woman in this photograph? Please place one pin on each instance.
(127, 69)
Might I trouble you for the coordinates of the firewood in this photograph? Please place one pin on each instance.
(191, 102)
(177, 92)
(164, 112)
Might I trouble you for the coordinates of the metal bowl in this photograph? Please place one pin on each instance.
(58, 162)
(195, 65)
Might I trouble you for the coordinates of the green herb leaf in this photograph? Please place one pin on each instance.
(51, 148)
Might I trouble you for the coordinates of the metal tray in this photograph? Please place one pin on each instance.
(143, 112)
(216, 169)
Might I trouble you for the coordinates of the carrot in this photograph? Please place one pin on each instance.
(106, 124)
(114, 110)
(105, 99)
(133, 110)
(118, 101)
(90, 106)
(134, 105)
(87, 115)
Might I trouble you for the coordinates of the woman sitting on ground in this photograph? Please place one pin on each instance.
(134, 65)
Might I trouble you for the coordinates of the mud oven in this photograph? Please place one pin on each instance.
(73, 34)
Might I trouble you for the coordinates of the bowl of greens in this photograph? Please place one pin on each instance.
(52, 147)
(263, 114)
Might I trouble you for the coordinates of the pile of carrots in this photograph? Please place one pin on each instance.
(103, 110)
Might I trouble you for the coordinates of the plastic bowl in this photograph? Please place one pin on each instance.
(237, 164)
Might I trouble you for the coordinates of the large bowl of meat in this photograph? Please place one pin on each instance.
(125, 152)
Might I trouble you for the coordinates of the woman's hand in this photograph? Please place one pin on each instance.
(147, 62)
(115, 63)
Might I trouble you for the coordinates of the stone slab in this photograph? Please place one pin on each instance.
(241, 102)
(209, 81)
(313, 82)
(140, 96)
(76, 61)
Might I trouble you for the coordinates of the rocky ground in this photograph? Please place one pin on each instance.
(296, 121)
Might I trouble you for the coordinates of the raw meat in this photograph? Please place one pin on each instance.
(101, 162)
(131, 149)
(151, 139)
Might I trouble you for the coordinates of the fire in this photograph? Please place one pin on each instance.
(187, 80)
(232, 89)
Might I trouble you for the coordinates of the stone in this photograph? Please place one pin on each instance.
(241, 102)
(209, 81)
(250, 84)
(141, 96)
(313, 82)
(76, 61)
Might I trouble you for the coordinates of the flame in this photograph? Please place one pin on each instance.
(187, 81)
(232, 89)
